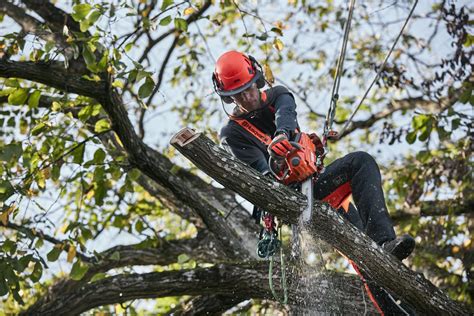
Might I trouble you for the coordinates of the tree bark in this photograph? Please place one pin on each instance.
(333, 294)
(325, 223)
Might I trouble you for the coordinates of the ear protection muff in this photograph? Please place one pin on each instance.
(258, 72)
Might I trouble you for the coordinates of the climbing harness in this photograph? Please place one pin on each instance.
(328, 132)
(267, 247)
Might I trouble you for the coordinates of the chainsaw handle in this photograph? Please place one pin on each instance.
(270, 166)
(296, 145)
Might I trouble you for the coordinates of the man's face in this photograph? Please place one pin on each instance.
(248, 99)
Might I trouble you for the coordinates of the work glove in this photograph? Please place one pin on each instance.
(279, 147)
(317, 143)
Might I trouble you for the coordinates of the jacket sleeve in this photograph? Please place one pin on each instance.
(251, 155)
(285, 114)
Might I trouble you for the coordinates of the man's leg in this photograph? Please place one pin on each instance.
(363, 174)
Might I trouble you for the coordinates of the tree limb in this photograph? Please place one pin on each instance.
(151, 163)
(29, 24)
(52, 74)
(325, 223)
(54, 17)
(238, 281)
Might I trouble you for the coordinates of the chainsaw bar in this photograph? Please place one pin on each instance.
(307, 190)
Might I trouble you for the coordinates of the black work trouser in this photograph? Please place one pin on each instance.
(362, 172)
(370, 216)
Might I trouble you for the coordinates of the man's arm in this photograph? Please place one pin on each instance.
(249, 154)
(285, 114)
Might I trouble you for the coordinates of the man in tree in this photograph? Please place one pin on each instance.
(263, 123)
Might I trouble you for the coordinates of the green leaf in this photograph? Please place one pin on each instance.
(128, 47)
(134, 174)
(99, 195)
(78, 270)
(9, 246)
(425, 131)
(23, 263)
(465, 96)
(166, 3)
(99, 156)
(84, 25)
(411, 137)
(37, 272)
(34, 98)
(11, 152)
(118, 84)
(141, 74)
(6, 190)
(181, 24)
(94, 16)
(102, 125)
(18, 96)
(419, 121)
(455, 124)
(146, 88)
(98, 276)
(89, 57)
(115, 256)
(53, 255)
(38, 129)
(165, 21)
(182, 258)
(80, 11)
(78, 154)
(85, 113)
(3, 286)
(14, 83)
(139, 227)
(56, 106)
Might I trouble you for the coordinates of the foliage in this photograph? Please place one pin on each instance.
(67, 183)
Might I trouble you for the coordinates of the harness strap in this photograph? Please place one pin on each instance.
(252, 129)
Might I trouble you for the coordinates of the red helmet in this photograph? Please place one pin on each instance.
(235, 72)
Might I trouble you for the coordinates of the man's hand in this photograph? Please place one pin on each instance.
(279, 147)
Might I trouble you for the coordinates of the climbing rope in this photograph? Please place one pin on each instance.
(338, 75)
(283, 276)
(377, 76)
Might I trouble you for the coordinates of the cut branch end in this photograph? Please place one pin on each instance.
(184, 137)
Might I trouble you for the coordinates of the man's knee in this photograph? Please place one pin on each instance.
(361, 158)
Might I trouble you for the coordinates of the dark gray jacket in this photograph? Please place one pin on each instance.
(277, 114)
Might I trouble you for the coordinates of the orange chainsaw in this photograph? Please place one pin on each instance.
(301, 161)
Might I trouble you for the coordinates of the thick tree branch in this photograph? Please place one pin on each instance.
(153, 164)
(29, 24)
(336, 293)
(205, 305)
(54, 17)
(325, 223)
(52, 74)
(240, 220)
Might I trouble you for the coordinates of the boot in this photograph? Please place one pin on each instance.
(400, 247)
